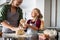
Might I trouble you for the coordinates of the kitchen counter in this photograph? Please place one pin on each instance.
(8, 36)
(13, 35)
(16, 36)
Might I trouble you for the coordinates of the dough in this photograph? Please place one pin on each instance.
(20, 32)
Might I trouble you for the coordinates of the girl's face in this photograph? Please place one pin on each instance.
(34, 14)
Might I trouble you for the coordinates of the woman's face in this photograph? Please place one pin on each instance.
(34, 13)
(16, 3)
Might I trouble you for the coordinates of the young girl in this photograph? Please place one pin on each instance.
(37, 20)
(35, 24)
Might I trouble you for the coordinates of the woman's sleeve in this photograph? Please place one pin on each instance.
(2, 14)
(20, 14)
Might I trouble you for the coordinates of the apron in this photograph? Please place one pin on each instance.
(12, 19)
(32, 32)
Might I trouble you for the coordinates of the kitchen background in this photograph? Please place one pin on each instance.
(49, 8)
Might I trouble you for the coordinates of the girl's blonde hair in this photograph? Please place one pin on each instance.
(40, 15)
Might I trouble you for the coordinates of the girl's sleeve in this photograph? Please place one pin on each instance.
(28, 22)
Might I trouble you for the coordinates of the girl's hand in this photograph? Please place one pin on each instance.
(22, 21)
(26, 25)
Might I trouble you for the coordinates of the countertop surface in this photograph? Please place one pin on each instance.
(15, 35)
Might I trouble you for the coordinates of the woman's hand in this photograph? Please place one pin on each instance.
(15, 28)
